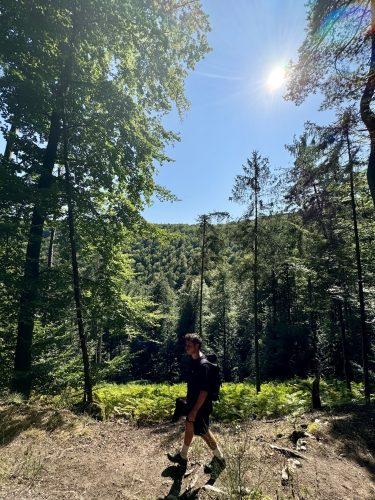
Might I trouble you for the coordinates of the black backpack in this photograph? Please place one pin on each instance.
(214, 375)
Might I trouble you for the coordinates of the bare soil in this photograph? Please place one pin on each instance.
(54, 454)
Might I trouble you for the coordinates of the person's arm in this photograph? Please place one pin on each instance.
(199, 402)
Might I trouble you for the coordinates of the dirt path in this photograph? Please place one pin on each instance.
(47, 454)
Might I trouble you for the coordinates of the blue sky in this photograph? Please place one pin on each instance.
(232, 110)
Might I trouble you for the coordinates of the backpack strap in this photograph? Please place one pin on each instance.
(210, 359)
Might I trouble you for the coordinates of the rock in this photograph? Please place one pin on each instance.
(293, 463)
(279, 435)
(189, 472)
(243, 491)
(301, 445)
(213, 489)
(285, 476)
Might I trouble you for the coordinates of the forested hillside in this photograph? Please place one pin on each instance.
(92, 292)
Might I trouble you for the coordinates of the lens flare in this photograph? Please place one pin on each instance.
(345, 21)
(276, 78)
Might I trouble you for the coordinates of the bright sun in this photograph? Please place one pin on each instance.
(276, 78)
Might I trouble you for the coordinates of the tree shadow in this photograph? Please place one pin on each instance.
(16, 419)
(354, 427)
(170, 434)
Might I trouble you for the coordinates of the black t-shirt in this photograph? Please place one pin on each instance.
(197, 381)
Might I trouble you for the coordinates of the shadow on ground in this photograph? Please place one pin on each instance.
(177, 473)
(169, 432)
(16, 419)
(354, 427)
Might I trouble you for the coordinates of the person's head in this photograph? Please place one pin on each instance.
(193, 344)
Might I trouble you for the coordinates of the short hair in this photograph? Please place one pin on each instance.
(194, 337)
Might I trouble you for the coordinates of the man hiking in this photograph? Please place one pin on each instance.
(198, 407)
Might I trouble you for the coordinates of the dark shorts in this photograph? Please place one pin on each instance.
(202, 420)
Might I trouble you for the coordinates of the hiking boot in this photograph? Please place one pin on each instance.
(177, 459)
(216, 466)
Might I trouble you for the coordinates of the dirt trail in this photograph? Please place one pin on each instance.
(48, 454)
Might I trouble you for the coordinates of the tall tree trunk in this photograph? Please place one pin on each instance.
(49, 264)
(6, 158)
(225, 342)
(99, 347)
(97, 333)
(203, 257)
(344, 346)
(12, 134)
(51, 248)
(255, 277)
(365, 341)
(52, 237)
(29, 295)
(368, 117)
(315, 392)
(288, 301)
(274, 298)
(76, 281)
(321, 218)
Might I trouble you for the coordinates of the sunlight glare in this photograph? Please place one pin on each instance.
(276, 78)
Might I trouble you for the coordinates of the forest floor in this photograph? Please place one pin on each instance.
(55, 454)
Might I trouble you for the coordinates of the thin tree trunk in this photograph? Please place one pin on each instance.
(344, 346)
(76, 281)
(315, 393)
(321, 219)
(274, 299)
(49, 265)
(6, 158)
(225, 342)
(256, 331)
(365, 341)
(99, 347)
(52, 238)
(50, 248)
(203, 256)
(288, 304)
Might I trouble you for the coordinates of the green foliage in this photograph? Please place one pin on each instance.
(140, 402)
(152, 403)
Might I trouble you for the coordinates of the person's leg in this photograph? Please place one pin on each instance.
(181, 456)
(188, 438)
(209, 438)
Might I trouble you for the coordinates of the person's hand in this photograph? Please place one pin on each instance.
(192, 416)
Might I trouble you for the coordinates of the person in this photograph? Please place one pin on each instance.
(198, 408)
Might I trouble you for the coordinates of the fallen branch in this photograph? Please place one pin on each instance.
(288, 452)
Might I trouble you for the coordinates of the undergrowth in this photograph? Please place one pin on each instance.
(154, 403)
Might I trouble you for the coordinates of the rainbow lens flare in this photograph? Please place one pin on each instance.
(345, 21)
